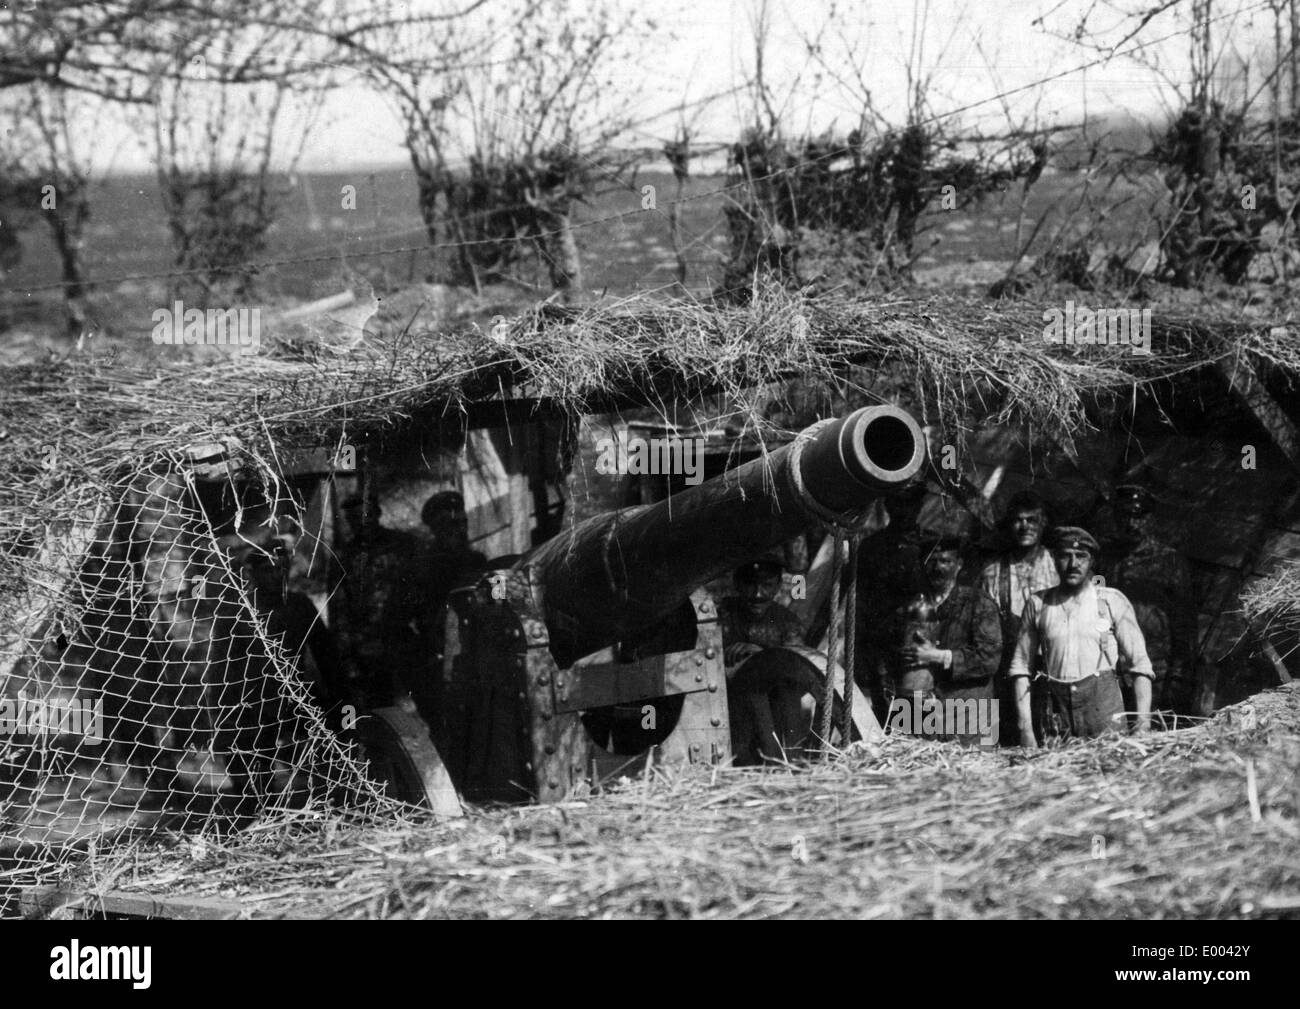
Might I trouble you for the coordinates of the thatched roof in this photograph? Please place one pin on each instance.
(960, 362)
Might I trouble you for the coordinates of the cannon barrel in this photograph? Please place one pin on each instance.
(621, 573)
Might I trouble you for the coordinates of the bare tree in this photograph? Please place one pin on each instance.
(829, 209)
(218, 144)
(119, 50)
(509, 120)
(66, 127)
(212, 80)
(52, 132)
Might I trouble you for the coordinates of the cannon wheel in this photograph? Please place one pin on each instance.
(403, 757)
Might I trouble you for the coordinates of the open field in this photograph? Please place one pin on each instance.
(624, 248)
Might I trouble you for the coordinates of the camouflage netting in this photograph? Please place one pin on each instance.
(157, 685)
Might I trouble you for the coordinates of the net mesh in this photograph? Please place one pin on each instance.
(159, 673)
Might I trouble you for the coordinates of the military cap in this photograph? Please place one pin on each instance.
(443, 501)
(1072, 538)
(770, 565)
(1132, 496)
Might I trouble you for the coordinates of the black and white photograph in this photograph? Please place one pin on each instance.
(593, 459)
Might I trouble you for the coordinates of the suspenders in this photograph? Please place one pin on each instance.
(1103, 653)
(1106, 661)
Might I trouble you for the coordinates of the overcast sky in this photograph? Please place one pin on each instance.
(973, 51)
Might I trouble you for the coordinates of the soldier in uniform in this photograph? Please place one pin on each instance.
(383, 616)
(1157, 580)
(890, 572)
(1084, 632)
(957, 654)
(261, 552)
(1024, 568)
(766, 707)
(451, 561)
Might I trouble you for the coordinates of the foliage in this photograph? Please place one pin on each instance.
(857, 202)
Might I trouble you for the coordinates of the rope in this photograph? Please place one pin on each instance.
(846, 525)
(828, 684)
(850, 642)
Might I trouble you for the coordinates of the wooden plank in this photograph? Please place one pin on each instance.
(47, 901)
(1283, 674)
(334, 301)
(817, 584)
(600, 684)
(519, 488)
(322, 460)
(1250, 391)
(485, 483)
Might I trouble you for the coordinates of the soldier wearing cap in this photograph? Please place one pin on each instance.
(452, 561)
(382, 604)
(1157, 580)
(957, 655)
(890, 572)
(1083, 632)
(766, 707)
(752, 619)
(1024, 568)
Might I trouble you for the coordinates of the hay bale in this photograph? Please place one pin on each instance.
(1197, 822)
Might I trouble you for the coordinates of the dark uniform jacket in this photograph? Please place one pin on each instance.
(968, 624)
(777, 626)
(1156, 578)
(765, 707)
(889, 574)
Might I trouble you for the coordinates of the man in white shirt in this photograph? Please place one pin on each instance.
(1083, 632)
(1024, 568)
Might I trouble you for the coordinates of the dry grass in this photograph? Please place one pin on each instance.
(914, 829)
(1274, 602)
(74, 430)
(1199, 822)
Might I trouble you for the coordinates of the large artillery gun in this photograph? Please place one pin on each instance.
(613, 616)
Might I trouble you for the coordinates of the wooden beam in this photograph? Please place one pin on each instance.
(1249, 390)
(1283, 674)
(70, 902)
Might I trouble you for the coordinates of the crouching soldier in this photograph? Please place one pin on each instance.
(765, 700)
(1084, 632)
(949, 646)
